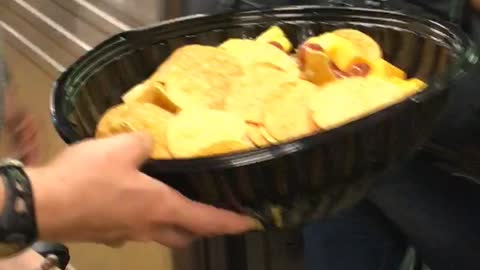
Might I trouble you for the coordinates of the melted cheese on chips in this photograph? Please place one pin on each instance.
(149, 92)
(257, 137)
(198, 76)
(224, 147)
(137, 117)
(194, 130)
(346, 100)
(254, 52)
(317, 68)
(251, 92)
(287, 115)
(206, 101)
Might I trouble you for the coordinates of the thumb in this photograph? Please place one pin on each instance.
(134, 147)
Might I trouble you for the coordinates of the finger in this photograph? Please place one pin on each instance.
(27, 137)
(172, 237)
(26, 131)
(207, 220)
(28, 148)
(134, 147)
(14, 118)
(27, 156)
(32, 159)
(22, 118)
(28, 124)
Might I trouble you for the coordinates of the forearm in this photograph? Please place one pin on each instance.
(8, 99)
(51, 209)
(5, 86)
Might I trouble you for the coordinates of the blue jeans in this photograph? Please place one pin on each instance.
(360, 238)
(418, 204)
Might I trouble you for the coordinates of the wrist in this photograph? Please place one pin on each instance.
(49, 201)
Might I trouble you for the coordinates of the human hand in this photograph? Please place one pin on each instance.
(475, 4)
(94, 192)
(24, 131)
(27, 260)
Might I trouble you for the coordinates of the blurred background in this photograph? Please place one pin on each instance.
(42, 38)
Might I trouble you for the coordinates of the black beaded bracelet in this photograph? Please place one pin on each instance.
(18, 227)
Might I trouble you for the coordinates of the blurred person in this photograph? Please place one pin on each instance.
(19, 124)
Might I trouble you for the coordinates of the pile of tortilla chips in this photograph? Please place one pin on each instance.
(245, 94)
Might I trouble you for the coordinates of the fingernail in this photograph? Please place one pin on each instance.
(257, 225)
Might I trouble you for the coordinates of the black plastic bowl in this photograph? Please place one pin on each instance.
(288, 184)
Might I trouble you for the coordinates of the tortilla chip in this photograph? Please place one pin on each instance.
(270, 139)
(193, 130)
(334, 106)
(410, 87)
(417, 84)
(363, 42)
(250, 92)
(271, 33)
(284, 44)
(149, 92)
(287, 115)
(246, 93)
(253, 52)
(376, 93)
(225, 147)
(113, 114)
(275, 36)
(346, 100)
(255, 135)
(137, 117)
(340, 50)
(317, 68)
(198, 76)
(382, 68)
